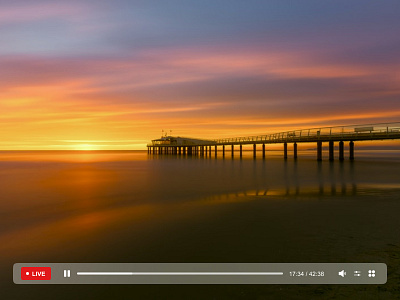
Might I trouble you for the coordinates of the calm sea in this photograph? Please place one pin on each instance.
(119, 206)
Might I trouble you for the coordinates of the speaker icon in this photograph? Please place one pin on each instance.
(342, 273)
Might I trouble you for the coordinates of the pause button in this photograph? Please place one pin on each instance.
(67, 273)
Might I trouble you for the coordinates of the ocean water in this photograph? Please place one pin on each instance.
(128, 206)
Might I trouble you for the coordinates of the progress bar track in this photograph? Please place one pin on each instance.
(176, 273)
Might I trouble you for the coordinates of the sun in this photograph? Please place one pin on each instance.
(85, 147)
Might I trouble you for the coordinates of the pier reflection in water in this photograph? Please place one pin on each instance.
(303, 177)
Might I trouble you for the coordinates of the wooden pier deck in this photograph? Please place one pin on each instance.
(331, 135)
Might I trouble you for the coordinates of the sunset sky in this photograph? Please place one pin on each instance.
(114, 74)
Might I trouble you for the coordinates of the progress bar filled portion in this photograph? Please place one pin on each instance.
(200, 273)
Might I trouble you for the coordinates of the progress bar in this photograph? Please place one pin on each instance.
(199, 273)
(177, 273)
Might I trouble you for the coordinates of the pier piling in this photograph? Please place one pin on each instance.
(351, 150)
(285, 150)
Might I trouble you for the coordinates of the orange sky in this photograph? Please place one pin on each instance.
(71, 78)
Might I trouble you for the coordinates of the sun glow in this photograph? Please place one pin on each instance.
(85, 147)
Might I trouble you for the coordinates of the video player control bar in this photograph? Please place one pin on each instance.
(200, 273)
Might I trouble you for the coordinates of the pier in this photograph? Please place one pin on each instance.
(338, 135)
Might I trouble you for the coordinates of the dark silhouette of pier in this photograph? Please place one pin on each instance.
(331, 135)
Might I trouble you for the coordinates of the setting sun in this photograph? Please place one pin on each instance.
(85, 147)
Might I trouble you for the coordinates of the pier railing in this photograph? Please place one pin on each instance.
(351, 132)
